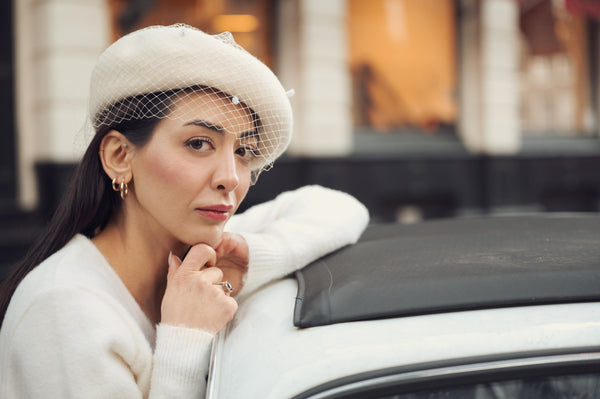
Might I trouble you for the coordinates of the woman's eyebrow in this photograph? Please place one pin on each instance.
(250, 134)
(220, 129)
(206, 124)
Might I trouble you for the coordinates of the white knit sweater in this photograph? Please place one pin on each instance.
(73, 330)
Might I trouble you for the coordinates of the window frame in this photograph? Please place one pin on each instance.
(457, 372)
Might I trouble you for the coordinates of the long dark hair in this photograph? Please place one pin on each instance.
(90, 201)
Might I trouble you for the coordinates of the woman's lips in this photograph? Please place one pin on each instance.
(215, 212)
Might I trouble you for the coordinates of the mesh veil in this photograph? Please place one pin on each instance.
(144, 74)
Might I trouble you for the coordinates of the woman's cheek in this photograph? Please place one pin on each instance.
(168, 170)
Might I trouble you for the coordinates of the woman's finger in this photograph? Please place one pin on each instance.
(212, 274)
(199, 257)
(174, 263)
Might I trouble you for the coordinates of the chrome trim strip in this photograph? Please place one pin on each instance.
(416, 376)
(212, 383)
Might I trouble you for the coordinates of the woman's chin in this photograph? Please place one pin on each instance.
(209, 236)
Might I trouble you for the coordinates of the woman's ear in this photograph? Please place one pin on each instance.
(115, 154)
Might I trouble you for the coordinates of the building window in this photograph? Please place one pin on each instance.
(247, 20)
(403, 62)
(556, 73)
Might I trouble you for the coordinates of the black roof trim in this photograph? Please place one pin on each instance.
(454, 265)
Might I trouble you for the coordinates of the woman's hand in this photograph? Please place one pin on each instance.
(191, 298)
(232, 259)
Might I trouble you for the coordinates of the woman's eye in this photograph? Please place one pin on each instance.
(247, 152)
(199, 144)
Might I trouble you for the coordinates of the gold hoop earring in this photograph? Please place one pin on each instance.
(115, 184)
(124, 189)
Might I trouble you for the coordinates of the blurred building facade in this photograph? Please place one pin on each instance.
(420, 108)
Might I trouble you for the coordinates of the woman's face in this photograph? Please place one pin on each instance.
(195, 170)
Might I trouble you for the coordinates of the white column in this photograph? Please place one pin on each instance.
(58, 42)
(490, 121)
(312, 59)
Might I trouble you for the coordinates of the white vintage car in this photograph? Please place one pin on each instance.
(490, 307)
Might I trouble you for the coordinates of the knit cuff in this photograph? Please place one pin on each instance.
(181, 361)
(268, 260)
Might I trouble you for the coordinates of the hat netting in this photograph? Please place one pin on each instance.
(144, 74)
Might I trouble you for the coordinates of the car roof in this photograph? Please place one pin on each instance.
(454, 265)
(262, 354)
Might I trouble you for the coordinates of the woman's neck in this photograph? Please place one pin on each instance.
(140, 260)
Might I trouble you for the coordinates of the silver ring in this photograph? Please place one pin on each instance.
(227, 287)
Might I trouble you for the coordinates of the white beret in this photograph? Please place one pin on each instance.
(164, 58)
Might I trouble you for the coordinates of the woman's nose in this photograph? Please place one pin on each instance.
(226, 176)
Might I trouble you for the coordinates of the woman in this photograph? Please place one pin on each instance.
(123, 294)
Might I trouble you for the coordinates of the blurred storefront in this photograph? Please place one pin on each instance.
(420, 108)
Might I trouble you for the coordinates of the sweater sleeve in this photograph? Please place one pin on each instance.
(296, 228)
(71, 343)
(181, 362)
